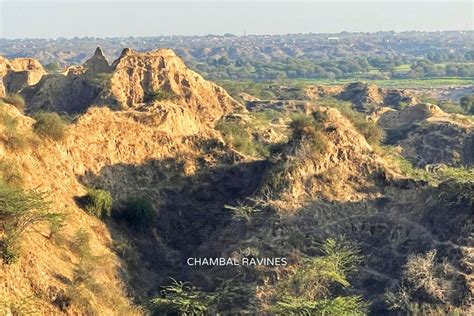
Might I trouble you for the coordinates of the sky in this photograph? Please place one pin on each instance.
(108, 18)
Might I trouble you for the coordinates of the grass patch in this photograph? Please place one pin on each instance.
(159, 95)
(16, 100)
(370, 130)
(138, 213)
(181, 299)
(98, 203)
(50, 125)
(9, 174)
(436, 176)
(306, 128)
(237, 136)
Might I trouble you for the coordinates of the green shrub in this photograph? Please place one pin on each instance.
(370, 130)
(450, 107)
(14, 140)
(300, 122)
(138, 213)
(305, 127)
(181, 299)
(467, 103)
(100, 79)
(237, 137)
(16, 100)
(9, 173)
(20, 209)
(50, 125)
(53, 67)
(242, 211)
(158, 95)
(312, 288)
(98, 203)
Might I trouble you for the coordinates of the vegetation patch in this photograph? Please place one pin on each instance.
(98, 202)
(138, 213)
(182, 299)
(309, 129)
(50, 125)
(14, 139)
(159, 95)
(310, 287)
(239, 138)
(16, 100)
(19, 210)
(370, 130)
(9, 174)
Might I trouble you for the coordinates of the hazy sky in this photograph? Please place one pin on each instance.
(69, 18)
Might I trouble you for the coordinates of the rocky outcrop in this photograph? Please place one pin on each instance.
(144, 81)
(5, 66)
(97, 64)
(19, 73)
(427, 135)
(364, 96)
(71, 93)
(149, 77)
(346, 164)
(409, 115)
(314, 92)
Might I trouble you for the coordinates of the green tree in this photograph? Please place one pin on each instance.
(467, 103)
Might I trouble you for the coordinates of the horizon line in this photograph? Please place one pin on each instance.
(227, 34)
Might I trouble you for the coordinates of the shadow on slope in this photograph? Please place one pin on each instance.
(192, 221)
(190, 210)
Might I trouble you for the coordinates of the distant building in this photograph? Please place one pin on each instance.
(333, 39)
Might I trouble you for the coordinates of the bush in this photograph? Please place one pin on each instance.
(158, 95)
(138, 213)
(237, 137)
(428, 286)
(9, 174)
(20, 209)
(13, 138)
(98, 203)
(308, 128)
(50, 125)
(53, 67)
(467, 103)
(370, 130)
(300, 123)
(310, 289)
(181, 299)
(16, 100)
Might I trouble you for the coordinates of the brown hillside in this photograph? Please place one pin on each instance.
(98, 139)
(428, 135)
(135, 80)
(19, 73)
(137, 75)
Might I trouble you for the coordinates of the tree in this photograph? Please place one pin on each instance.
(467, 103)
